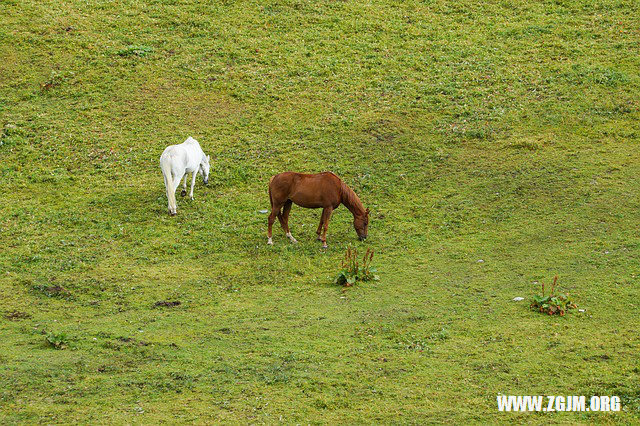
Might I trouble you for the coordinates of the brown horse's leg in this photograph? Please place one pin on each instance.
(319, 231)
(284, 220)
(326, 215)
(275, 211)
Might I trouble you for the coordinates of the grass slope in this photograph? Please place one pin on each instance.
(473, 130)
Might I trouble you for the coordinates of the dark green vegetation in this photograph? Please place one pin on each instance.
(496, 144)
(554, 303)
(354, 269)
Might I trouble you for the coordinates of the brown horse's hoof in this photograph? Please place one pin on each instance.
(183, 193)
(324, 246)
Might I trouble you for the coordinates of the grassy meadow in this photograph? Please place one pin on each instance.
(496, 144)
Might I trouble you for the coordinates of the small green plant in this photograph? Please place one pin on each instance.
(352, 271)
(55, 79)
(135, 51)
(57, 340)
(553, 304)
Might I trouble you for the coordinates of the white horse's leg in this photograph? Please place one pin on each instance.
(176, 183)
(193, 182)
(171, 193)
(184, 185)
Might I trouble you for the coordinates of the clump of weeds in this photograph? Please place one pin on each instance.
(351, 270)
(57, 340)
(553, 304)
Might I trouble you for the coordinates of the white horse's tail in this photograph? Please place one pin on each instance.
(165, 165)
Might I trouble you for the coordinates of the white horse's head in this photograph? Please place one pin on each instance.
(204, 169)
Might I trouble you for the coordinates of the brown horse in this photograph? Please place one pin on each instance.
(322, 190)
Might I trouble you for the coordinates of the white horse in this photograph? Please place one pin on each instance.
(177, 161)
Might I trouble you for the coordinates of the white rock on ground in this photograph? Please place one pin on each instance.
(518, 299)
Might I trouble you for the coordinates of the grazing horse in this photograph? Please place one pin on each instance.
(177, 161)
(322, 190)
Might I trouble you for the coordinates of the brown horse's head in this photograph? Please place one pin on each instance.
(361, 223)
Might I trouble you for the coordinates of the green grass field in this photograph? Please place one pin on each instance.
(496, 144)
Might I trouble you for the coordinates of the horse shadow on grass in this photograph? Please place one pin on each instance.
(133, 204)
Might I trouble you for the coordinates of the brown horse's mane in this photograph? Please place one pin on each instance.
(350, 199)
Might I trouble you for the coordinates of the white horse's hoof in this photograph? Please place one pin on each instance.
(191, 198)
(294, 241)
(183, 193)
(324, 246)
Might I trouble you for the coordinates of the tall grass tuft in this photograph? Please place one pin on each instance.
(351, 270)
